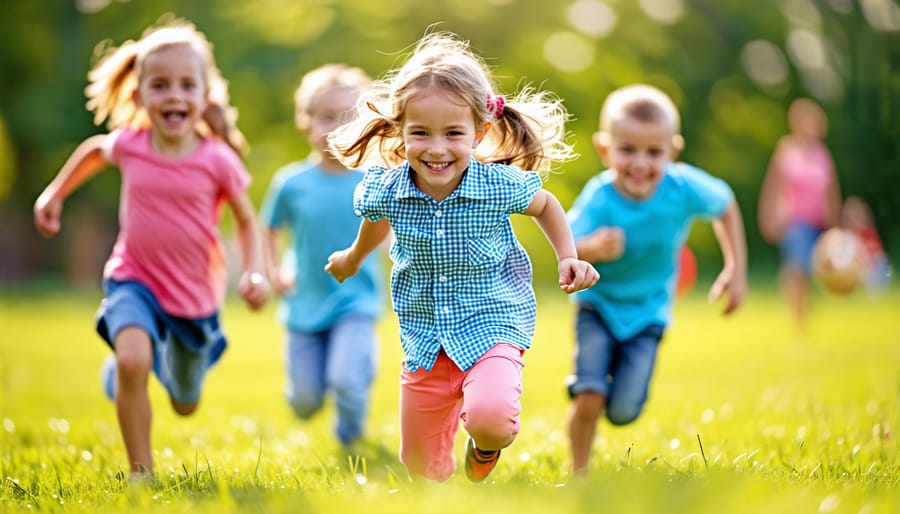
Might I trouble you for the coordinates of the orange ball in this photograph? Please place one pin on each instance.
(839, 261)
(687, 272)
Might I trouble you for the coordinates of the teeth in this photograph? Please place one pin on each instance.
(437, 165)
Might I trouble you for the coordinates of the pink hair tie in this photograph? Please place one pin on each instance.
(495, 104)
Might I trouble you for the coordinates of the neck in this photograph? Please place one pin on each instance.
(175, 147)
(328, 163)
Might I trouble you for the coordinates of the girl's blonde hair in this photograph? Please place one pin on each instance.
(527, 131)
(325, 77)
(116, 73)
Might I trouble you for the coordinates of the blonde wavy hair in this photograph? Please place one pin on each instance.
(527, 130)
(116, 74)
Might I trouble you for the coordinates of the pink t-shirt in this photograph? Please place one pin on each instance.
(169, 213)
(807, 174)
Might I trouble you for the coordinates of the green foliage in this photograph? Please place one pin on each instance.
(731, 119)
(744, 416)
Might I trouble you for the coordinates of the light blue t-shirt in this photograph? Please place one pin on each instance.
(316, 207)
(638, 289)
(461, 281)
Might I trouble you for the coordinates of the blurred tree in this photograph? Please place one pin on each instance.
(732, 67)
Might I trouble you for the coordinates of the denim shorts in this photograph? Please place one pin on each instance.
(183, 349)
(619, 370)
(797, 246)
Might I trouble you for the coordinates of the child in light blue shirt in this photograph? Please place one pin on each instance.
(631, 222)
(331, 344)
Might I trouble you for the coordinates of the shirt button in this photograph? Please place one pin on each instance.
(439, 232)
(438, 214)
(357, 212)
(446, 310)
(442, 278)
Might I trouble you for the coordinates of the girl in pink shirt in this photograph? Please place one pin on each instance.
(800, 198)
(173, 138)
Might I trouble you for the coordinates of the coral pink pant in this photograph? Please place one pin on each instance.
(486, 398)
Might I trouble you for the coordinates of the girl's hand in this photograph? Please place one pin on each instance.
(734, 284)
(47, 213)
(254, 289)
(341, 265)
(575, 275)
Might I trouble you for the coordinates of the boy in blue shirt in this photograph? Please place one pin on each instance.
(631, 222)
(331, 344)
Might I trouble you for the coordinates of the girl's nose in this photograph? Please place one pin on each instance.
(435, 147)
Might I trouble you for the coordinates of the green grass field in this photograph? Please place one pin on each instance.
(744, 415)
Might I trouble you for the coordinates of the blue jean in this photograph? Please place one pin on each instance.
(183, 349)
(340, 359)
(797, 246)
(619, 370)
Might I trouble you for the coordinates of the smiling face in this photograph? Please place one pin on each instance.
(638, 151)
(172, 90)
(439, 134)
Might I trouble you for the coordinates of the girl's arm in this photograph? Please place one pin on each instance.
(252, 285)
(281, 283)
(771, 218)
(833, 202)
(85, 162)
(729, 230)
(345, 263)
(574, 274)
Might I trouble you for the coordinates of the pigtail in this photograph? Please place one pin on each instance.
(221, 117)
(113, 81)
(380, 131)
(527, 132)
(370, 137)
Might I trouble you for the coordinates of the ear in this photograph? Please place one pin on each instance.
(479, 135)
(136, 97)
(601, 144)
(677, 146)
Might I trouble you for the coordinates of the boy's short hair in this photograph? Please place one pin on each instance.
(643, 103)
(335, 75)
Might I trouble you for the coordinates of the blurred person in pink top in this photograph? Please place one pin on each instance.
(174, 139)
(800, 198)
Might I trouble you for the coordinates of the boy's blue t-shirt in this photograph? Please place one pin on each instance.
(316, 208)
(638, 289)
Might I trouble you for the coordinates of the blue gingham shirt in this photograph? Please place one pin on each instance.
(460, 280)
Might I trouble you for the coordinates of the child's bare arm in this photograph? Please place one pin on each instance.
(574, 274)
(252, 285)
(281, 282)
(603, 245)
(86, 161)
(729, 231)
(345, 263)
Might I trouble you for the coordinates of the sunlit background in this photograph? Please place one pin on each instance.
(732, 67)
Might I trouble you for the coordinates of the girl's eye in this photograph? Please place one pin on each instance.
(418, 133)
(455, 133)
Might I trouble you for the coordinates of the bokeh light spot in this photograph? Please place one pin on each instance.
(764, 62)
(592, 17)
(568, 52)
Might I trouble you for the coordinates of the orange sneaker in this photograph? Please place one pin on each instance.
(479, 463)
